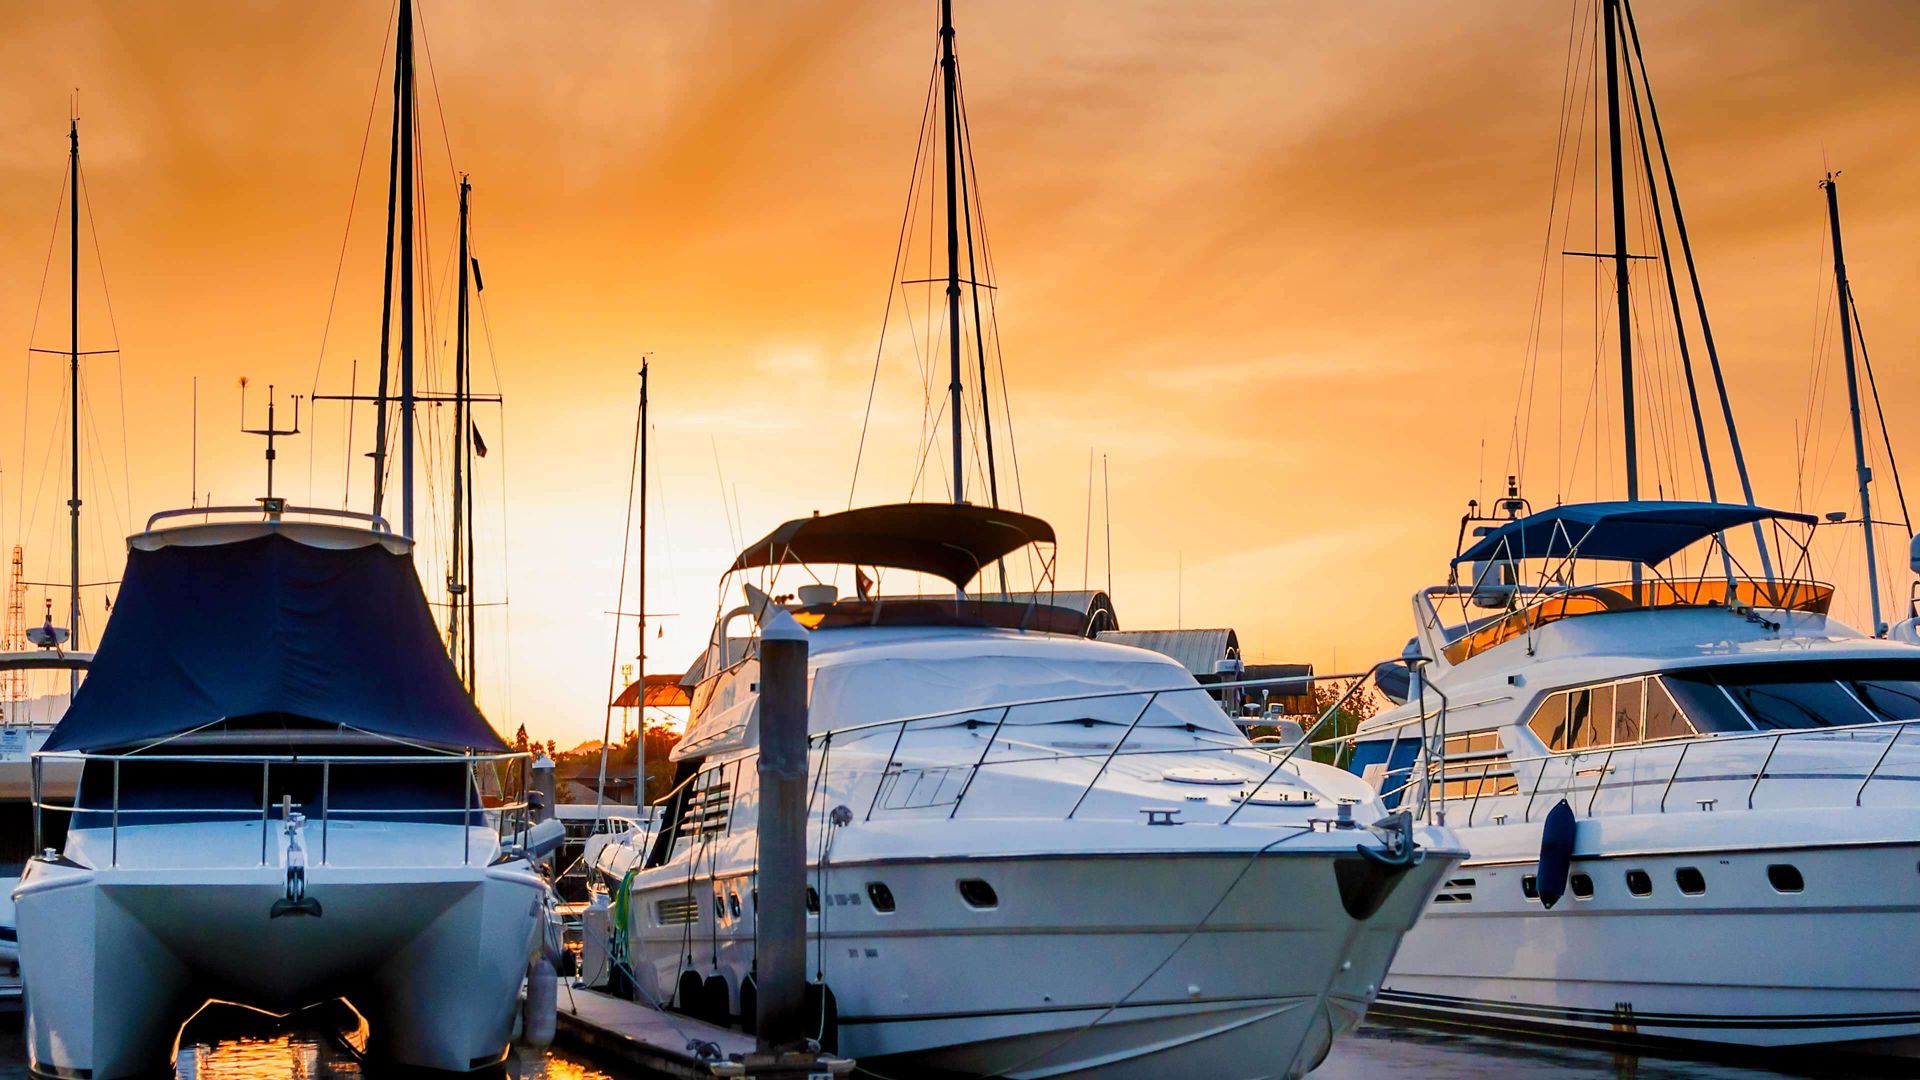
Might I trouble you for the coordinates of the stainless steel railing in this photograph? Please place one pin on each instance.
(950, 789)
(507, 813)
(1841, 773)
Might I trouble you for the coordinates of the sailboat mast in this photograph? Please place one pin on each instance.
(953, 247)
(459, 618)
(405, 107)
(394, 168)
(73, 393)
(1844, 294)
(1620, 257)
(640, 657)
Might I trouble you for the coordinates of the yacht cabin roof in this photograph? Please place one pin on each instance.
(948, 540)
(1648, 532)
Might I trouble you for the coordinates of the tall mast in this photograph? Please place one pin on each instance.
(405, 107)
(73, 393)
(1620, 258)
(1844, 294)
(394, 172)
(640, 657)
(953, 247)
(459, 617)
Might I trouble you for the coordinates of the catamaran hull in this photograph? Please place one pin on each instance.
(1220, 964)
(115, 961)
(1742, 965)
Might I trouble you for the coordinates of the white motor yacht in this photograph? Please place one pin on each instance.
(1740, 774)
(1031, 854)
(286, 797)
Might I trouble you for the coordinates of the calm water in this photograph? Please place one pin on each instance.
(233, 1045)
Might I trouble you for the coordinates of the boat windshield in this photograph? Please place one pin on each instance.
(1772, 697)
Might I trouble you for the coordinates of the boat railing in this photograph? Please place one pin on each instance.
(1797, 768)
(910, 780)
(1548, 605)
(272, 510)
(506, 815)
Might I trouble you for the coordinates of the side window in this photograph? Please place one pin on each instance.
(1664, 719)
(1589, 718)
(1550, 722)
(1628, 715)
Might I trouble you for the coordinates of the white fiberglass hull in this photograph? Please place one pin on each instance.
(1225, 964)
(1742, 965)
(116, 960)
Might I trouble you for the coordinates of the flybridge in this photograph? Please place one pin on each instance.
(1639, 532)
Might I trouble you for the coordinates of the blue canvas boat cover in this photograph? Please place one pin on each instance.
(1642, 532)
(336, 634)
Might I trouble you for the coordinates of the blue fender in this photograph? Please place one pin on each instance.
(1556, 854)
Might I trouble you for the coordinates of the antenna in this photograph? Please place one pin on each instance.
(1106, 505)
(273, 506)
(193, 487)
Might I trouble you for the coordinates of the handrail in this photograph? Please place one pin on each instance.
(975, 715)
(507, 815)
(379, 523)
(1208, 688)
(1543, 773)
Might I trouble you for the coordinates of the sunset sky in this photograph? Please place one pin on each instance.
(1276, 261)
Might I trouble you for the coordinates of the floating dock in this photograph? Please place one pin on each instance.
(640, 1036)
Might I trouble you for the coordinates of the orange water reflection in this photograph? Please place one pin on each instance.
(304, 1056)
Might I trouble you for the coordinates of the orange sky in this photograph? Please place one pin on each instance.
(1277, 261)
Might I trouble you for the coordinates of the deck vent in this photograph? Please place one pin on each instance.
(1785, 878)
(978, 894)
(676, 912)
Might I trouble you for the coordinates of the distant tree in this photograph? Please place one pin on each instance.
(1353, 712)
(520, 739)
(553, 748)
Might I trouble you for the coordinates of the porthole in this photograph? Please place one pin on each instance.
(1530, 886)
(880, 895)
(1691, 881)
(1639, 883)
(733, 903)
(1582, 887)
(719, 906)
(1785, 878)
(978, 894)
(813, 901)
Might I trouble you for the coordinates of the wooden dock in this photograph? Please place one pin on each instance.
(640, 1036)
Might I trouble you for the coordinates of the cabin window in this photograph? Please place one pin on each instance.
(1590, 718)
(1815, 703)
(1691, 881)
(1894, 699)
(1664, 720)
(880, 896)
(1476, 765)
(1639, 883)
(1550, 722)
(1785, 878)
(1582, 886)
(1530, 886)
(978, 894)
(1629, 712)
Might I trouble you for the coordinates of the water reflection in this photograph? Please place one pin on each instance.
(1381, 1051)
(235, 1044)
(232, 1044)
